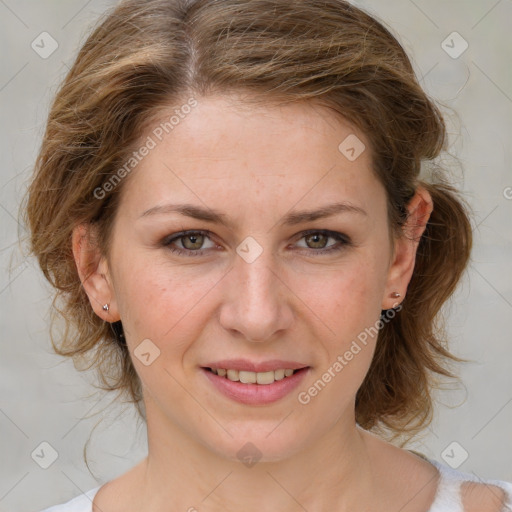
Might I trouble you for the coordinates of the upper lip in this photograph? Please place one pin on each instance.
(250, 366)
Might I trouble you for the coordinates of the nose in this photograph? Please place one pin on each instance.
(257, 303)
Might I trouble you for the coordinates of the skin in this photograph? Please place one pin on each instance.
(290, 303)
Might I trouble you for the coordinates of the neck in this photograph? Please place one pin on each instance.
(182, 473)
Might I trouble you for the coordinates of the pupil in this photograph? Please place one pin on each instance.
(315, 237)
(193, 239)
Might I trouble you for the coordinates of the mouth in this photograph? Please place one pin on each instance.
(248, 377)
(255, 388)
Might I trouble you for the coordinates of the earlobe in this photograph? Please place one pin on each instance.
(401, 269)
(94, 274)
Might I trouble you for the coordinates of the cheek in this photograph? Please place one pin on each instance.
(161, 302)
(350, 300)
(160, 309)
(349, 297)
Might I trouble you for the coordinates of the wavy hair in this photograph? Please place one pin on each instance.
(146, 55)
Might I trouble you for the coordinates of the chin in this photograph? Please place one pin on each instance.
(251, 444)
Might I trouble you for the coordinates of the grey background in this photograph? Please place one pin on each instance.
(43, 398)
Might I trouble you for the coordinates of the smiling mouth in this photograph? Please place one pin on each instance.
(247, 377)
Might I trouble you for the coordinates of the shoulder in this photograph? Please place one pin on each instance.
(484, 497)
(469, 493)
(82, 503)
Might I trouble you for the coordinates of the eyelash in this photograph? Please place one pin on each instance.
(343, 241)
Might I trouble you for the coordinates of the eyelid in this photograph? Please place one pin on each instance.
(183, 234)
(342, 239)
(327, 232)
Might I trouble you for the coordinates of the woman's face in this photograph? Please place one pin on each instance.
(249, 282)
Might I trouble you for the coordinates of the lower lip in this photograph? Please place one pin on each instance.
(256, 394)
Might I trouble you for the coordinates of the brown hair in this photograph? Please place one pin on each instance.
(147, 55)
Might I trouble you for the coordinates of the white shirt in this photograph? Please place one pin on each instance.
(448, 497)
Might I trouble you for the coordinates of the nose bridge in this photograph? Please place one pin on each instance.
(256, 263)
(257, 306)
(257, 278)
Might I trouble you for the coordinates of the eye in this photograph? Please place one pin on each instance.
(192, 242)
(317, 239)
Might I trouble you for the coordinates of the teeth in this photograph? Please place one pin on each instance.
(233, 375)
(253, 377)
(279, 374)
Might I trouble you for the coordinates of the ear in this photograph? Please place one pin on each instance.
(94, 273)
(401, 268)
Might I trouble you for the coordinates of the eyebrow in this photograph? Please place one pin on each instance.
(290, 219)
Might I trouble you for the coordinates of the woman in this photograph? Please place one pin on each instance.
(228, 201)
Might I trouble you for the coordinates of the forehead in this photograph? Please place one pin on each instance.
(243, 153)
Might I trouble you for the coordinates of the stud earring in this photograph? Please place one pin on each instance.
(395, 295)
(106, 307)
